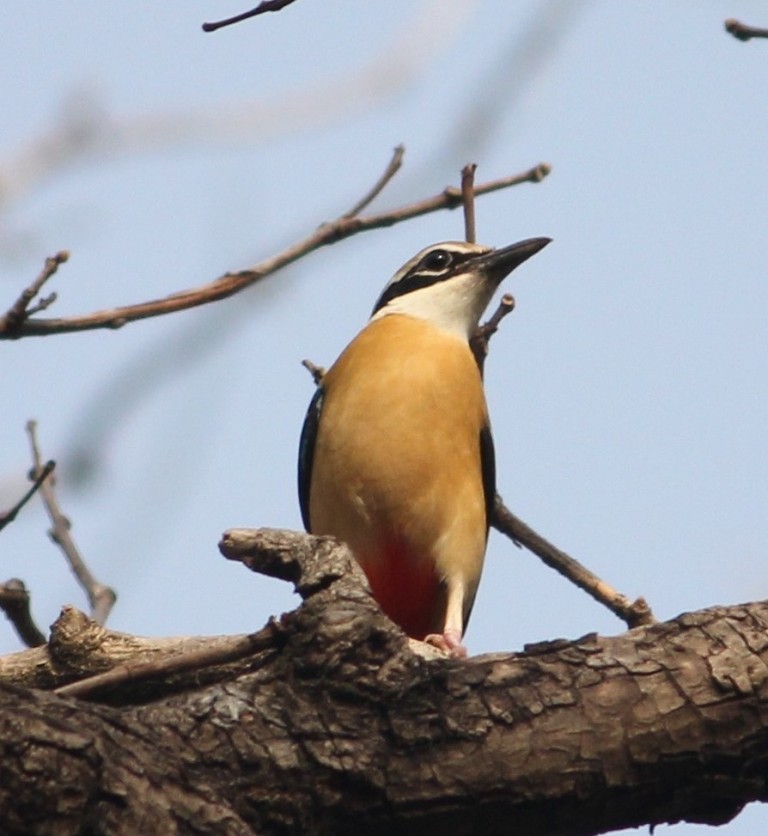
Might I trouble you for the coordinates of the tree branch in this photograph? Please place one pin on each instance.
(743, 32)
(378, 187)
(340, 728)
(14, 602)
(7, 517)
(232, 283)
(479, 341)
(79, 650)
(633, 613)
(317, 372)
(101, 598)
(19, 312)
(468, 198)
(129, 673)
(264, 6)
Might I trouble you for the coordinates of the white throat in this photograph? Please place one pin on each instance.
(454, 305)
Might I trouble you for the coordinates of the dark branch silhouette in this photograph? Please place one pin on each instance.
(744, 32)
(264, 6)
(38, 477)
(15, 603)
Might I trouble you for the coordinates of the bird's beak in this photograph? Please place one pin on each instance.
(498, 264)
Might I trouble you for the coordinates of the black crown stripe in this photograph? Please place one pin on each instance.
(418, 278)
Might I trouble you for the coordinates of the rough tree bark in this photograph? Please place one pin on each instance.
(331, 723)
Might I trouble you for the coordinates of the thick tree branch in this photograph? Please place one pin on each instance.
(79, 650)
(231, 283)
(340, 728)
(129, 673)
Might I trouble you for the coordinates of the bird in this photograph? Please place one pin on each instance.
(396, 456)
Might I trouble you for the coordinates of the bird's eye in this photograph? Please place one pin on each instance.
(437, 260)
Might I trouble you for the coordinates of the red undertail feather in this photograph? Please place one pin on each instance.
(405, 587)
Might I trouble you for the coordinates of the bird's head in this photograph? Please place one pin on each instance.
(451, 284)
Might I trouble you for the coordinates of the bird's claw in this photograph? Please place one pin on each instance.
(449, 642)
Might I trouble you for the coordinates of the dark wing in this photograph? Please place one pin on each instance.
(488, 464)
(307, 452)
(488, 467)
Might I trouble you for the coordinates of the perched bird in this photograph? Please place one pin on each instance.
(396, 456)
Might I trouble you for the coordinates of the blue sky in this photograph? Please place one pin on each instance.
(627, 391)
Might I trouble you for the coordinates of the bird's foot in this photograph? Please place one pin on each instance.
(449, 642)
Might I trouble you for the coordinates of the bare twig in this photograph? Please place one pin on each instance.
(744, 32)
(491, 326)
(14, 602)
(232, 283)
(100, 597)
(317, 372)
(20, 311)
(264, 6)
(482, 336)
(43, 303)
(633, 613)
(9, 516)
(229, 651)
(468, 199)
(389, 172)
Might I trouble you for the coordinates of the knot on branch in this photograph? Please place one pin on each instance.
(75, 638)
(79, 646)
(310, 563)
(339, 616)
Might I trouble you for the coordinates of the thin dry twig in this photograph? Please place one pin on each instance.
(265, 6)
(232, 283)
(633, 613)
(468, 199)
(230, 651)
(482, 336)
(7, 517)
(491, 326)
(744, 32)
(14, 602)
(20, 311)
(317, 372)
(100, 597)
(389, 172)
